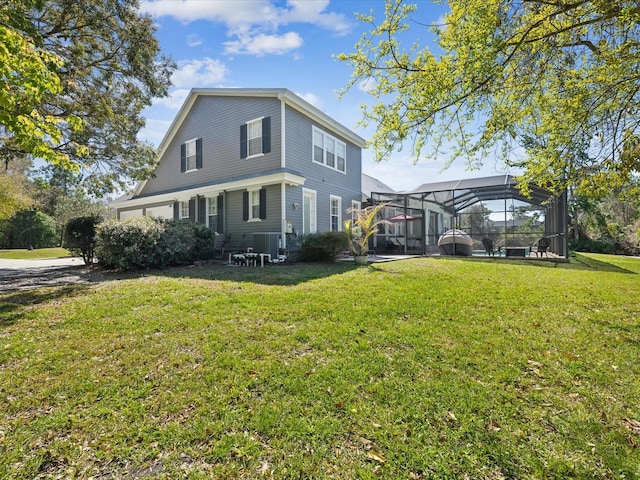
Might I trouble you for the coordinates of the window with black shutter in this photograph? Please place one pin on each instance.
(255, 137)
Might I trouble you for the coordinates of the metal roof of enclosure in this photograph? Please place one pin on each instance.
(455, 196)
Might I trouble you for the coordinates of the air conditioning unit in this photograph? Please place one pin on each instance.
(268, 242)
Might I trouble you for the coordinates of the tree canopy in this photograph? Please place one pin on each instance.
(74, 78)
(550, 86)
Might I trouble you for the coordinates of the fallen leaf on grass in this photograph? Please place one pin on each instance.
(493, 426)
(365, 441)
(633, 425)
(377, 457)
(452, 416)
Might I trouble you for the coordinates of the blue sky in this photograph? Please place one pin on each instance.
(288, 44)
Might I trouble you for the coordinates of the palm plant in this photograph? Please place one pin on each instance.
(363, 224)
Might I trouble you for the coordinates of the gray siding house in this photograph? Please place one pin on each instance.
(255, 165)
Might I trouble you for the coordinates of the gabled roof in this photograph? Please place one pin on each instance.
(371, 184)
(283, 94)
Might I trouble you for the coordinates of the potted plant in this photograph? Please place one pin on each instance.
(360, 228)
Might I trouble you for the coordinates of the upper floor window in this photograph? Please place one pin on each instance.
(255, 137)
(329, 151)
(336, 214)
(191, 155)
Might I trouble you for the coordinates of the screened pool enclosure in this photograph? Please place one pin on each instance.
(483, 208)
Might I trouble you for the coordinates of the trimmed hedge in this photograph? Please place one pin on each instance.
(147, 242)
(322, 247)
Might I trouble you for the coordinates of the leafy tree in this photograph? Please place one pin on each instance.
(98, 65)
(556, 78)
(28, 75)
(13, 194)
(59, 193)
(475, 221)
(80, 237)
(28, 228)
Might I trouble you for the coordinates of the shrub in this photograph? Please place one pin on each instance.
(152, 243)
(322, 247)
(129, 244)
(80, 237)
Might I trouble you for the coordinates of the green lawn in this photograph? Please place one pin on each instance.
(20, 254)
(422, 368)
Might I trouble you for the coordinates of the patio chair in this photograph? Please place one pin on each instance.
(487, 243)
(543, 246)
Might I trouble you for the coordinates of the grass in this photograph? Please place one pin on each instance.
(24, 254)
(423, 368)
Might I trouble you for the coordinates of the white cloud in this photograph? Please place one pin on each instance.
(263, 44)
(203, 72)
(367, 85)
(194, 41)
(175, 99)
(312, 98)
(254, 24)
(230, 13)
(313, 12)
(154, 131)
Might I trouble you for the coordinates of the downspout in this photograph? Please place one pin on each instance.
(283, 185)
(406, 230)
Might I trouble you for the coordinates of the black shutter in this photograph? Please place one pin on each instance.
(266, 135)
(245, 205)
(199, 153)
(192, 210)
(183, 157)
(220, 226)
(202, 210)
(243, 140)
(263, 203)
(176, 210)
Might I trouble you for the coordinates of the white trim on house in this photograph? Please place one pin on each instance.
(209, 190)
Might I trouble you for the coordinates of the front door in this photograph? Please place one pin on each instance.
(309, 221)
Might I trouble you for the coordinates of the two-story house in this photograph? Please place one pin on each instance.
(255, 165)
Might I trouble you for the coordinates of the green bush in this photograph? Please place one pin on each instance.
(80, 237)
(146, 242)
(131, 244)
(322, 247)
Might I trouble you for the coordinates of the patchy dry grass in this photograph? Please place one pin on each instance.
(424, 368)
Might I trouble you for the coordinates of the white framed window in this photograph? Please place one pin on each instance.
(341, 156)
(254, 137)
(318, 146)
(184, 210)
(212, 213)
(355, 205)
(335, 213)
(190, 155)
(254, 205)
(329, 151)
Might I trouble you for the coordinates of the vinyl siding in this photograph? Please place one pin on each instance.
(325, 181)
(240, 231)
(217, 120)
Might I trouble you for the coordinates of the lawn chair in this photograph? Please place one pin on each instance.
(487, 243)
(543, 246)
